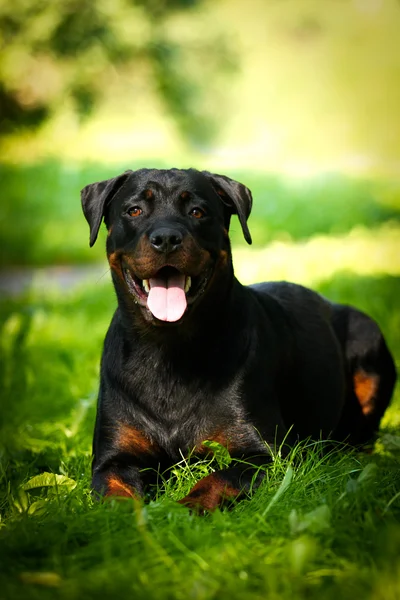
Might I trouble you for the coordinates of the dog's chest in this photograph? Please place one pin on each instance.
(179, 411)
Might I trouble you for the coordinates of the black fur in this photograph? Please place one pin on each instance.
(272, 362)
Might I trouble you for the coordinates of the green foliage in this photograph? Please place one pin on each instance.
(220, 453)
(325, 204)
(44, 200)
(59, 54)
(55, 486)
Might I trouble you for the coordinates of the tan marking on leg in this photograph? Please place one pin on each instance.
(116, 487)
(220, 437)
(209, 493)
(235, 439)
(132, 440)
(365, 388)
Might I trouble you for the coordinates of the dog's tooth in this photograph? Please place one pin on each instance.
(146, 285)
(188, 284)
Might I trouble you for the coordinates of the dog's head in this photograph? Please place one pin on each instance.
(167, 235)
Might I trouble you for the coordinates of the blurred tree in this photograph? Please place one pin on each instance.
(54, 53)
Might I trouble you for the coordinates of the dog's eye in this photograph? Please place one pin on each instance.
(197, 213)
(135, 211)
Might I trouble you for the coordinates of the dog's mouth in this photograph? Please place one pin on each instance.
(168, 293)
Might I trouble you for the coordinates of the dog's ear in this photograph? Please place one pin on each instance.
(95, 197)
(236, 197)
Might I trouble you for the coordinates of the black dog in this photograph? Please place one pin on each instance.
(192, 355)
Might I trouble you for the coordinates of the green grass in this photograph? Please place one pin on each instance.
(41, 221)
(321, 526)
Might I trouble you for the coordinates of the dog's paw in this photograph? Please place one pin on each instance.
(210, 493)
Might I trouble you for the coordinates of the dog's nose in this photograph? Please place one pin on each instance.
(165, 239)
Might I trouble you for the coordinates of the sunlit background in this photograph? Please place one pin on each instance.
(297, 86)
(291, 85)
(299, 99)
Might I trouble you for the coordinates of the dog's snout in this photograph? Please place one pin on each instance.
(165, 239)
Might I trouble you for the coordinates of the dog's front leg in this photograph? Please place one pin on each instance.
(117, 477)
(225, 486)
(121, 450)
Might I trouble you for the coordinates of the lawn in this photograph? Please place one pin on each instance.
(43, 199)
(322, 525)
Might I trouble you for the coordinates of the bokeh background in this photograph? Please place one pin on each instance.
(296, 98)
(300, 86)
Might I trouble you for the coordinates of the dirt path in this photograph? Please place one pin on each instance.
(17, 280)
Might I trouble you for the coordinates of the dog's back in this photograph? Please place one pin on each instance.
(369, 373)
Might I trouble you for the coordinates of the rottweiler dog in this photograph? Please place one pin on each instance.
(192, 355)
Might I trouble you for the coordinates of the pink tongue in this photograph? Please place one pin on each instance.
(167, 299)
